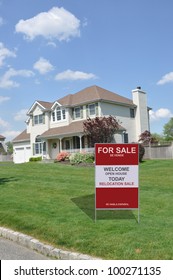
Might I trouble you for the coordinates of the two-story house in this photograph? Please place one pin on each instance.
(56, 126)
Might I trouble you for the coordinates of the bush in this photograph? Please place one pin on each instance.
(141, 152)
(81, 158)
(35, 159)
(62, 156)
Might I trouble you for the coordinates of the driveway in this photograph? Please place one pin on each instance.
(10, 250)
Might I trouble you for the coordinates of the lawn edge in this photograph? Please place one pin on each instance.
(42, 248)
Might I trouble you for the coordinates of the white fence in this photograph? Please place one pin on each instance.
(162, 151)
(6, 158)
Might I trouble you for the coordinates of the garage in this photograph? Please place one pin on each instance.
(21, 154)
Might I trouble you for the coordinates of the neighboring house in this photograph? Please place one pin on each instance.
(56, 126)
(3, 147)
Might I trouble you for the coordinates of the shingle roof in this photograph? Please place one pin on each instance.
(46, 105)
(91, 94)
(88, 95)
(24, 136)
(74, 127)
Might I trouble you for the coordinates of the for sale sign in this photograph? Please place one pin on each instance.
(116, 176)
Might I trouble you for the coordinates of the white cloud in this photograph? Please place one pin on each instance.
(21, 115)
(162, 113)
(85, 22)
(6, 82)
(52, 44)
(74, 75)
(1, 21)
(168, 78)
(10, 134)
(43, 66)
(3, 123)
(4, 53)
(4, 98)
(57, 23)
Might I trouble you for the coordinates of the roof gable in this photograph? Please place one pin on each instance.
(42, 104)
(23, 136)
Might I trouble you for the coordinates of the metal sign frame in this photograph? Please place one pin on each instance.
(117, 177)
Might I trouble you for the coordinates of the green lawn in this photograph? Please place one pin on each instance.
(55, 203)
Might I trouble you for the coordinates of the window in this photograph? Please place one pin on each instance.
(39, 119)
(132, 112)
(53, 116)
(91, 108)
(38, 146)
(126, 139)
(77, 112)
(59, 114)
(63, 114)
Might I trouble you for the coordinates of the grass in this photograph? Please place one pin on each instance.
(55, 203)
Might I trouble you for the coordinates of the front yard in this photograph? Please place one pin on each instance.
(55, 203)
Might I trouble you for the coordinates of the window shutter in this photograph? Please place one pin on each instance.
(87, 113)
(43, 118)
(96, 109)
(81, 112)
(72, 113)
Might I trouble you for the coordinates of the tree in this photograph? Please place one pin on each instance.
(168, 130)
(146, 137)
(9, 147)
(100, 130)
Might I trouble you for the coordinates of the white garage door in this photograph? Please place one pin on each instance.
(19, 155)
(27, 154)
(22, 154)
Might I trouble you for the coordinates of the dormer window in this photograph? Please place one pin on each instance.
(59, 114)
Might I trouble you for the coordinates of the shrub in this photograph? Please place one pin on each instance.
(35, 159)
(141, 152)
(62, 156)
(81, 158)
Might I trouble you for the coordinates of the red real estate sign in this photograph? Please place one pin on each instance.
(116, 176)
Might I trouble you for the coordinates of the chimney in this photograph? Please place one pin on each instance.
(141, 117)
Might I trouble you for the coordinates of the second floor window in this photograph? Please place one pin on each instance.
(91, 108)
(132, 112)
(38, 119)
(59, 114)
(77, 112)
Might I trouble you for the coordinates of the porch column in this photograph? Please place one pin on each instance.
(80, 138)
(60, 144)
(47, 152)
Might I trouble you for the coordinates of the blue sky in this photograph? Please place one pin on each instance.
(50, 48)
